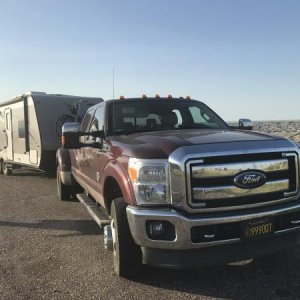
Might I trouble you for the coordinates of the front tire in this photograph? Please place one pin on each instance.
(65, 192)
(6, 170)
(127, 255)
(1, 166)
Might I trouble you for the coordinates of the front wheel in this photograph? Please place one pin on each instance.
(127, 255)
(6, 170)
(1, 166)
(64, 192)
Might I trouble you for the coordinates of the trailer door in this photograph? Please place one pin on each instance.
(8, 130)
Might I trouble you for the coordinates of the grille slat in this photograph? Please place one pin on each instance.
(223, 192)
(232, 169)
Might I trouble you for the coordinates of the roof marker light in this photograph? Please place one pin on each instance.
(188, 97)
(122, 97)
(144, 96)
(157, 96)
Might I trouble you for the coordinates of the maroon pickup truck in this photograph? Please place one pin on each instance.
(173, 185)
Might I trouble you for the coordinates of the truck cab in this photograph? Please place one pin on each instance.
(177, 187)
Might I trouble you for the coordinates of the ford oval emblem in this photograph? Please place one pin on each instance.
(250, 179)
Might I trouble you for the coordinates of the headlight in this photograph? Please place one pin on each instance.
(149, 178)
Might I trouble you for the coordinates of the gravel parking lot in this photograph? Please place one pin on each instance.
(53, 250)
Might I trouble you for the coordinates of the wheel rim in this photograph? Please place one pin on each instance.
(113, 233)
(58, 184)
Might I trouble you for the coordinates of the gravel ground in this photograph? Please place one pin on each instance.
(53, 250)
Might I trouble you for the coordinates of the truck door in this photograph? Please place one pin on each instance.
(78, 157)
(9, 137)
(95, 156)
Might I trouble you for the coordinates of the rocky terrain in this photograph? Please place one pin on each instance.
(288, 129)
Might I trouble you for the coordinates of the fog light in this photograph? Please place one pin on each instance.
(160, 230)
(156, 229)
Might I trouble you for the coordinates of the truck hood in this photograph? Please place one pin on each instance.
(159, 144)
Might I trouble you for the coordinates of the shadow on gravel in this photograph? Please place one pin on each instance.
(273, 277)
(32, 173)
(29, 173)
(81, 227)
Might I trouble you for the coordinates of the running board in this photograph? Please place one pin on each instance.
(97, 212)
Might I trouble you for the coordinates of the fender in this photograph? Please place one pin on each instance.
(63, 159)
(63, 162)
(116, 170)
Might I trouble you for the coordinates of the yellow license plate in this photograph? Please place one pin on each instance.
(257, 228)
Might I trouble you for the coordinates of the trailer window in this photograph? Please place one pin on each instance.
(21, 129)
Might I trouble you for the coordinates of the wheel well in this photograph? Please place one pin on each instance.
(112, 191)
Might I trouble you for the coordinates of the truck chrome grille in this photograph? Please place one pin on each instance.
(211, 185)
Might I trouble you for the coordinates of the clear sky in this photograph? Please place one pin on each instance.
(242, 58)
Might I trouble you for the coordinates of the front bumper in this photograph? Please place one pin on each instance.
(193, 258)
(138, 217)
(183, 253)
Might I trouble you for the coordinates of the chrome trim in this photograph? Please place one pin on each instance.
(181, 191)
(70, 127)
(209, 236)
(223, 192)
(297, 163)
(108, 239)
(295, 222)
(66, 177)
(232, 169)
(137, 219)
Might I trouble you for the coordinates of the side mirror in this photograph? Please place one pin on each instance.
(71, 127)
(245, 124)
(71, 134)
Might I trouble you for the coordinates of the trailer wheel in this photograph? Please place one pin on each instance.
(6, 170)
(1, 166)
(127, 255)
(64, 192)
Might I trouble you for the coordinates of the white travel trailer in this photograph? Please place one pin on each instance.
(30, 128)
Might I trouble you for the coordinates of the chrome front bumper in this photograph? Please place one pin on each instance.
(137, 218)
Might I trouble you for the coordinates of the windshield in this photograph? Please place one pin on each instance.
(158, 115)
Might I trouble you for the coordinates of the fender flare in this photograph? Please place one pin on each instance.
(116, 170)
(63, 159)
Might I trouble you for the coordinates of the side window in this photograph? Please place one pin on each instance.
(96, 124)
(85, 123)
(86, 120)
(98, 121)
(21, 129)
(179, 117)
(198, 116)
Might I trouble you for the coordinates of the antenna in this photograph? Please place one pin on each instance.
(113, 106)
(113, 83)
